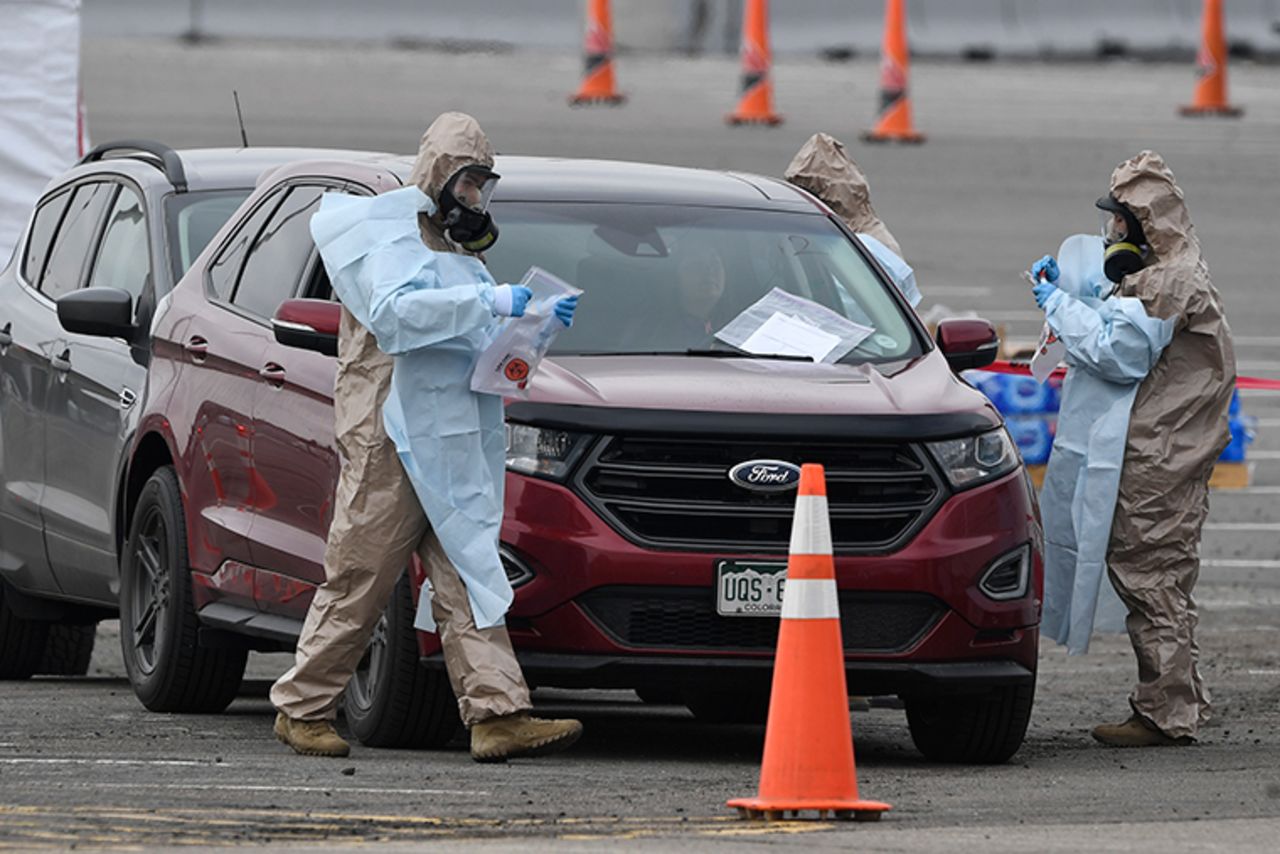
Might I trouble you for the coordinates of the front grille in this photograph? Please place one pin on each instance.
(686, 618)
(676, 493)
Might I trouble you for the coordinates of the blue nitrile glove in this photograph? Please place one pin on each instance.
(1046, 267)
(1043, 290)
(511, 300)
(565, 309)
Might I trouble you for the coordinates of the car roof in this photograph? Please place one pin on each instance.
(211, 168)
(558, 179)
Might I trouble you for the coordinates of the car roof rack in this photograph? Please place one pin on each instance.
(166, 159)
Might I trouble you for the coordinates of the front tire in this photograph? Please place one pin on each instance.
(159, 629)
(979, 729)
(392, 700)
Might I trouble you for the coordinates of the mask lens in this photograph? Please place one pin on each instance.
(473, 188)
(1113, 227)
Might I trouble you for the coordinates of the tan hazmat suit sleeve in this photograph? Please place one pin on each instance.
(1177, 431)
(824, 168)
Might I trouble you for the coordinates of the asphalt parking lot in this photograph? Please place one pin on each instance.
(1016, 155)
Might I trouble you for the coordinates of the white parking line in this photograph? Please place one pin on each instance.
(1267, 422)
(1011, 316)
(1246, 491)
(27, 760)
(1255, 365)
(1250, 456)
(1256, 341)
(1242, 526)
(1239, 563)
(938, 291)
(245, 787)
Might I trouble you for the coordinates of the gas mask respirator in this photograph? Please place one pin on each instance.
(464, 208)
(1125, 245)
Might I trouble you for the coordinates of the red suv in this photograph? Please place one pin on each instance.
(650, 472)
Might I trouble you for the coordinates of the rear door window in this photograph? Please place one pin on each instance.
(224, 272)
(43, 227)
(66, 265)
(279, 256)
(124, 258)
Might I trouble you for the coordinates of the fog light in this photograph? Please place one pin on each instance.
(1009, 577)
(518, 572)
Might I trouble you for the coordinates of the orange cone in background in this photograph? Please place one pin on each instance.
(808, 744)
(1211, 67)
(598, 85)
(755, 107)
(894, 122)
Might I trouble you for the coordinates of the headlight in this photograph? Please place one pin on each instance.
(545, 453)
(976, 459)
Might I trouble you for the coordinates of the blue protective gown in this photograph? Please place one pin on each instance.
(433, 312)
(1112, 344)
(900, 271)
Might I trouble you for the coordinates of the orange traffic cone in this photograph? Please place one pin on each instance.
(598, 85)
(755, 107)
(808, 744)
(894, 122)
(1211, 67)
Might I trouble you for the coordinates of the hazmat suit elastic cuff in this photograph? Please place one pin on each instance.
(1055, 299)
(501, 300)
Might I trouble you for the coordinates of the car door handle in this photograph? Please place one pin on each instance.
(6, 335)
(62, 362)
(197, 348)
(274, 374)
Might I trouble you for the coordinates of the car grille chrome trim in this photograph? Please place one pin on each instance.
(675, 493)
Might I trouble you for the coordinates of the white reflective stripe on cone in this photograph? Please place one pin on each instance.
(811, 530)
(810, 599)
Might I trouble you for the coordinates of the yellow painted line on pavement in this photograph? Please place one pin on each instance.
(23, 826)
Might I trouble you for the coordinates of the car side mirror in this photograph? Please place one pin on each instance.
(968, 344)
(105, 312)
(309, 324)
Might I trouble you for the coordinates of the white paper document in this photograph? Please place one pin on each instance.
(784, 335)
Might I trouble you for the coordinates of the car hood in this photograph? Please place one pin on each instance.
(924, 386)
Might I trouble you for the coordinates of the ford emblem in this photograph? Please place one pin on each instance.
(765, 475)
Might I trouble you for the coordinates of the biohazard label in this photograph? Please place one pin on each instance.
(517, 370)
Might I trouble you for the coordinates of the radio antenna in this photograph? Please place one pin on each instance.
(244, 138)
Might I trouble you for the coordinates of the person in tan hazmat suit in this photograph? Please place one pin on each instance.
(824, 168)
(448, 301)
(1177, 428)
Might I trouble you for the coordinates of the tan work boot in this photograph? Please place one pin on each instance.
(310, 738)
(1137, 732)
(520, 734)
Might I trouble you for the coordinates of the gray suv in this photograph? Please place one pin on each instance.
(131, 215)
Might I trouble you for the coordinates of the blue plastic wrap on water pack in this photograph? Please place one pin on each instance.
(1033, 434)
(1241, 438)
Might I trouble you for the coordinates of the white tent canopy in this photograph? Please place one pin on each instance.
(41, 126)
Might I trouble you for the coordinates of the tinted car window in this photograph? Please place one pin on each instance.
(75, 237)
(665, 279)
(279, 256)
(224, 272)
(43, 227)
(124, 256)
(193, 219)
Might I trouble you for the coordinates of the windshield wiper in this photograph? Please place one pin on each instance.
(713, 354)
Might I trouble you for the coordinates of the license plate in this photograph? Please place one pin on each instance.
(749, 588)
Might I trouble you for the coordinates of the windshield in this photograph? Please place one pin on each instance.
(664, 279)
(193, 219)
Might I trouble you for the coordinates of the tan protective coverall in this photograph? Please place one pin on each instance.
(822, 167)
(1177, 430)
(378, 523)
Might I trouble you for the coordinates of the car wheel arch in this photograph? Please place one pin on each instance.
(152, 452)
